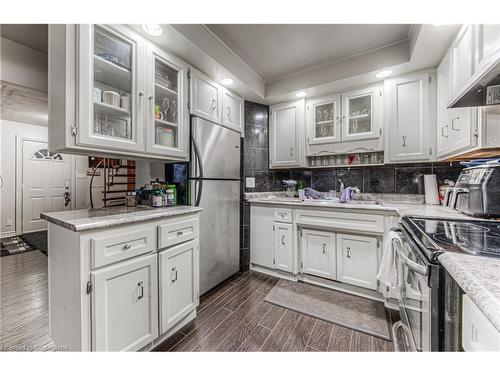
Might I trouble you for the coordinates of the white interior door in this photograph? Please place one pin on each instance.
(45, 180)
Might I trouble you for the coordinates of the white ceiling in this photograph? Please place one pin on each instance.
(277, 51)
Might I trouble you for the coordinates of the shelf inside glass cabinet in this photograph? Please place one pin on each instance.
(112, 71)
(360, 120)
(324, 115)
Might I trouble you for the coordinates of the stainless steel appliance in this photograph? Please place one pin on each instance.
(215, 187)
(428, 296)
(477, 191)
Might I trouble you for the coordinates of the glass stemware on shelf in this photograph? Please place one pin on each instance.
(349, 159)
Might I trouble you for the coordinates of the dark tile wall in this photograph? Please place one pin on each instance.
(393, 178)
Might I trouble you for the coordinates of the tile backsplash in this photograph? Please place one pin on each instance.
(387, 179)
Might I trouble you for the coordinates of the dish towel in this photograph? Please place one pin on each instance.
(387, 273)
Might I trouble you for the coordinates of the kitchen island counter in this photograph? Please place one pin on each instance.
(82, 220)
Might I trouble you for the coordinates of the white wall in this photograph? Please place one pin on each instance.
(23, 65)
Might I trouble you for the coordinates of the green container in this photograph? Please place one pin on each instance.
(174, 189)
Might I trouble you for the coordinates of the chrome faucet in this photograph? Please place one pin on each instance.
(341, 186)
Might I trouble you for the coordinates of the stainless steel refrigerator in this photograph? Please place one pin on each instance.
(215, 187)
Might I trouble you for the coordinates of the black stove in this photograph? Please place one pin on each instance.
(475, 237)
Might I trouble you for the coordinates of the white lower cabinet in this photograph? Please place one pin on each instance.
(297, 243)
(125, 305)
(123, 288)
(178, 283)
(262, 235)
(319, 254)
(283, 247)
(357, 260)
(478, 333)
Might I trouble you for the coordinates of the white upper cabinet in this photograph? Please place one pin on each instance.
(486, 42)
(206, 97)
(111, 88)
(167, 116)
(443, 114)
(114, 93)
(462, 59)
(410, 117)
(232, 110)
(361, 113)
(323, 120)
(286, 127)
(211, 101)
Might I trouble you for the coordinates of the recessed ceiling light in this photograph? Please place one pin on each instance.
(226, 81)
(300, 94)
(384, 73)
(152, 29)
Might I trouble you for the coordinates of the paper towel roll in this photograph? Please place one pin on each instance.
(431, 190)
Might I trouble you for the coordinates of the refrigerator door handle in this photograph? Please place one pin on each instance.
(200, 167)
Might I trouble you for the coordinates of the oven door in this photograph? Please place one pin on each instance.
(414, 295)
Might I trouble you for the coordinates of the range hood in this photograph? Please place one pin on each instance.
(483, 88)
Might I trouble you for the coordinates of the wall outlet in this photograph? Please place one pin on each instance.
(8, 223)
(250, 182)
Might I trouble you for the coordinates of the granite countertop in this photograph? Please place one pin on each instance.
(479, 277)
(81, 220)
(402, 205)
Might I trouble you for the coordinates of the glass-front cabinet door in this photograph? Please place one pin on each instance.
(111, 92)
(167, 115)
(323, 119)
(361, 113)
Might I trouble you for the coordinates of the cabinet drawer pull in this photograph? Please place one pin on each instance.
(180, 233)
(348, 252)
(292, 151)
(442, 131)
(324, 248)
(453, 124)
(404, 141)
(228, 112)
(140, 284)
(283, 239)
(174, 269)
(214, 105)
(127, 246)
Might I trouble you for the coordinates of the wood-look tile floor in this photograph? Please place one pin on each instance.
(234, 317)
(24, 320)
(231, 317)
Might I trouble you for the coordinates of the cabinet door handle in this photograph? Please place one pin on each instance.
(348, 252)
(141, 93)
(453, 124)
(404, 141)
(292, 151)
(174, 269)
(140, 284)
(180, 233)
(228, 112)
(150, 98)
(283, 239)
(442, 131)
(324, 248)
(127, 246)
(214, 105)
